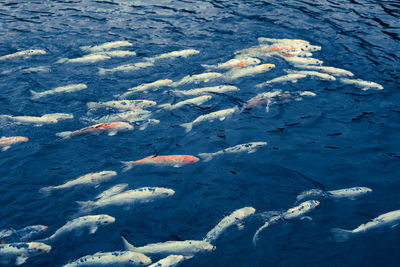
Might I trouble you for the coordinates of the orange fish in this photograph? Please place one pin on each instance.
(112, 128)
(7, 142)
(171, 160)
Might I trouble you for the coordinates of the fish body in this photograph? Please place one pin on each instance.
(322, 76)
(127, 116)
(117, 53)
(116, 189)
(217, 115)
(140, 195)
(235, 63)
(12, 235)
(127, 67)
(24, 54)
(197, 78)
(193, 101)
(122, 105)
(391, 219)
(175, 54)
(170, 261)
(248, 147)
(112, 128)
(185, 248)
(21, 251)
(303, 61)
(350, 193)
(146, 87)
(91, 221)
(330, 70)
(111, 258)
(365, 85)
(38, 121)
(88, 179)
(234, 218)
(91, 58)
(58, 90)
(170, 160)
(146, 123)
(282, 79)
(7, 142)
(106, 46)
(220, 89)
(252, 70)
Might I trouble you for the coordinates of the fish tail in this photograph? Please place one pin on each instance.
(206, 156)
(340, 235)
(46, 190)
(127, 245)
(93, 105)
(188, 126)
(65, 135)
(208, 66)
(310, 193)
(127, 165)
(85, 206)
(255, 237)
(165, 106)
(35, 95)
(84, 47)
(102, 71)
(62, 60)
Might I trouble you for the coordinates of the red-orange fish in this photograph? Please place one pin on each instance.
(7, 142)
(171, 160)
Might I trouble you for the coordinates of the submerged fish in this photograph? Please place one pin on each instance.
(174, 54)
(330, 70)
(21, 251)
(197, 78)
(61, 89)
(238, 73)
(323, 76)
(127, 116)
(364, 85)
(116, 189)
(117, 53)
(122, 105)
(234, 63)
(88, 179)
(248, 147)
(281, 79)
(106, 46)
(213, 89)
(91, 221)
(24, 54)
(146, 123)
(112, 128)
(91, 58)
(111, 258)
(391, 219)
(170, 261)
(11, 235)
(193, 101)
(350, 193)
(303, 61)
(220, 115)
(170, 160)
(7, 142)
(38, 121)
(127, 67)
(146, 86)
(235, 217)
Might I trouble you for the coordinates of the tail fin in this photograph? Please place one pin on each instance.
(85, 206)
(46, 190)
(85, 47)
(310, 193)
(102, 71)
(165, 106)
(208, 66)
(124, 95)
(206, 156)
(127, 165)
(62, 60)
(35, 95)
(127, 245)
(340, 235)
(65, 135)
(93, 105)
(188, 126)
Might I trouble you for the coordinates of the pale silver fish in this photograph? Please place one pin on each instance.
(248, 71)
(234, 63)
(193, 101)
(127, 116)
(140, 195)
(11, 235)
(391, 219)
(323, 76)
(303, 61)
(174, 54)
(235, 217)
(147, 86)
(197, 78)
(62, 89)
(350, 193)
(91, 58)
(112, 128)
(186, 248)
(248, 147)
(170, 261)
(26, 70)
(217, 115)
(298, 42)
(281, 79)
(88, 179)
(127, 67)
(220, 89)
(117, 53)
(106, 46)
(24, 54)
(111, 258)
(20, 252)
(38, 121)
(364, 85)
(7, 142)
(122, 105)
(116, 189)
(91, 221)
(330, 70)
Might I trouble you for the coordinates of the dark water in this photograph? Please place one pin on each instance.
(343, 137)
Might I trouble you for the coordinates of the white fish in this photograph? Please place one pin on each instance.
(303, 61)
(127, 67)
(91, 221)
(140, 195)
(146, 123)
(234, 63)
(391, 219)
(111, 258)
(193, 101)
(364, 85)
(147, 86)
(88, 179)
(330, 70)
(248, 147)
(292, 213)
(116, 189)
(323, 76)
(38, 121)
(112, 128)
(298, 42)
(24, 54)
(174, 54)
(21, 251)
(235, 217)
(197, 78)
(26, 70)
(91, 58)
(127, 116)
(21, 234)
(106, 46)
(122, 105)
(281, 79)
(220, 115)
(170, 261)
(350, 193)
(117, 53)
(186, 248)
(7, 142)
(61, 89)
(220, 89)
(238, 73)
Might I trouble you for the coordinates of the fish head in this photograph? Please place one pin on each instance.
(106, 219)
(267, 66)
(165, 191)
(205, 246)
(38, 248)
(190, 159)
(253, 61)
(314, 203)
(365, 190)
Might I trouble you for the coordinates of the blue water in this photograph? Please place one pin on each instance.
(341, 138)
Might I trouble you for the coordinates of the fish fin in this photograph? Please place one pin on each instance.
(165, 106)
(222, 118)
(85, 206)
(208, 66)
(206, 156)
(240, 225)
(112, 133)
(46, 190)
(127, 245)
(20, 260)
(65, 135)
(393, 226)
(127, 165)
(93, 229)
(35, 95)
(255, 237)
(188, 126)
(62, 60)
(5, 148)
(308, 218)
(93, 105)
(102, 71)
(251, 151)
(86, 47)
(340, 235)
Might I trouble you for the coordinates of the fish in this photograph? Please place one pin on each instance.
(323, 76)
(62, 89)
(391, 219)
(297, 44)
(146, 123)
(248, 71)
(106, 46)
(11, 235)
(281, 79)
(127, 116)
(174, 54)
(88, 179)
(139, 195)
(330, 70)
(220, 115)
(24, 54)
(303, 61)
(197, 78)
(112, 128)
(21, 251)
(234, 63)
(122, 105)
(38, 121)
(213, 89)
(350, 193)
(91, 221)
(145, 87)
(364, 85)
(7, 142)
(235, 217)
(170, 261)
(185, 248)
(111, 258)
(116, 53)
(91, 58)
(116, 189)
(170, 160)
(193, 101)
(127, 67)
(26, 70)
(248, 147)
(292, 213)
